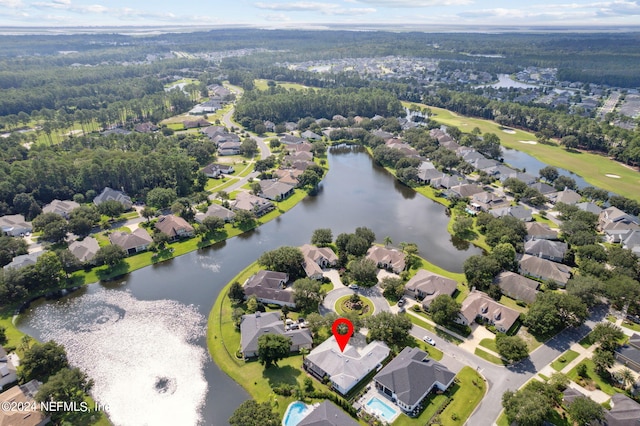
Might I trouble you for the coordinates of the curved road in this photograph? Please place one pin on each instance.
(379, 302)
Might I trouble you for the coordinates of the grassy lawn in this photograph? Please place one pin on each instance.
(367, 306)
(261, 84)
(587, 341)
(432, 402)
(591, 167)
(631, 325)
(507, 301)
(539, 218)
(431, 350)
(488, 357)
(440, 333)
(611, 318)
(422, 263)
(489, 344)
(593, 379)
(568, 356)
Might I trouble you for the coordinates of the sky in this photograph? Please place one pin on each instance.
(284, 13)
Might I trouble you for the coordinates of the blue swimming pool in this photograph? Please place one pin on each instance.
(382, 409)
(296, 411)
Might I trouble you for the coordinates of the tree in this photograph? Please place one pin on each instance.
(602, 360)
(11, 247)
(307, 294)
(607, 335)
(49, 269)
(236, 317)
(248, 147)
(549, 173)
(68, 385)
(68, 261)
(512, 348)
(364, 271)
(584, 287)
(462, 225)
(52, 225)
(81, 226)
(161, 198)
(42, 361)
(322, 237)
(444, 309)
(626, 376)
(389, 328)
(585, 411)
(387, 241)
(252, 304)
(357, 245)
(529, 406)
(111, 208)
(3, 335)
(236, 292)
(392, 288)
(367, 234)
(148, 212)
(284, 259)
(109, 255)
(552, 311)
(563, 182)
(250, 413)
(309, 179)
(480, 270)
(213, 223)
(272, 348)
(505, 256)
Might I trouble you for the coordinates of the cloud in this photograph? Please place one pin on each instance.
(416, 3)
(323, 8)
(277, 17)
(13, 4)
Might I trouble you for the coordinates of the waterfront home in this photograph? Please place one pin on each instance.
(255, 325)
(327, 414)
(410, 377)
(480, 305)
(543, 188)
(487, 200)
(23, 396)
(590, 207)
(308, 134)
(84, 250)
(269, 287)
(14, 225)
(229, 148)
(275, 190)
(23, 260)
(517, 286)
(612, 215)
(519, 212)
(62, 208)
(316, 258)
(387, 258)
(252, 203)
(464, 190)
(543, 269)
(426, 286)
(109, 194)
(567, 196)
(345, 369)
(218, 211)
(174, 226)
(292, 140)
(132, 243)
(546, 249)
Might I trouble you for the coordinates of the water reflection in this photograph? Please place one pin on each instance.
(142, 355)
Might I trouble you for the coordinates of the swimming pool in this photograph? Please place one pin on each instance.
(382, 409)
(296, 411)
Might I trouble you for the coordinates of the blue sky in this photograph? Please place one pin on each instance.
(284, 13)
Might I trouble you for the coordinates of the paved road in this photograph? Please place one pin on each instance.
(379, 302)
(500, 379)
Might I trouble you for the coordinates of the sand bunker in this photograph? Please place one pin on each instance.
(612, 176)
(510, 131)
(529, 142)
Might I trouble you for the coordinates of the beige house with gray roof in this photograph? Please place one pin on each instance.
(84, 250)
(480, 305)
(387, 258)
(426, 286)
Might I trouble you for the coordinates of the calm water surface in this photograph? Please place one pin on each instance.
(142, 338)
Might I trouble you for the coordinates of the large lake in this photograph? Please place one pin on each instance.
(142, 338)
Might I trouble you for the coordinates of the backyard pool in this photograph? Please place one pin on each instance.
(382, 409)
(296, 411)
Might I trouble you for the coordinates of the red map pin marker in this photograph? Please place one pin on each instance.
(342, 339)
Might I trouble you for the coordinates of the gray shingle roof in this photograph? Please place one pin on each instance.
(545, 248)
(517, 287)
(327, 414)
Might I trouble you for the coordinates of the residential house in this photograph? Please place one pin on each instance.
(543, 269)
(632, 242)
(288, 176)
(275, 190)
(404, 148)
(426, 286)
(500, 170)
(484, 163)
(316, 258)
(213, 131)
(612, 215)
(192, 124)
(617, 232)
(347, 368)
(387, 258)
(410, 377)
(447, 181)
(294, 156)
(147, 127)
(624, 411)
(546, 249)
(219, 91)
(8, 373)
(519, 212)
(327, 414)
(570, 394)
(174, 226)
(229, 148)
(225, 137)
(269, 125)
(255, 325)
(543, 188)
(567, 196)
(301, 165)
(308, 134)
(270, 287)
(382, 134)
(517, 287)
(480, 305)
(84, 250)
(252, 203)
(214, 170)
(464, 191)
(23, 260)
(207, 107)
(301, 147)
(290, 126)
(217, 211)
(109, 194)
(427, 171)
(540, 231)
(486, 201)
(629, 354)
(14, 225)
(62, 208)
(523, 177)
(590, 207)
(23, 396)
(132, 243)
(292, 140)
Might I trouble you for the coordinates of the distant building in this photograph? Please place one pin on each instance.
(23, 260)
(62, 208)
(14, 225)
(109, 194)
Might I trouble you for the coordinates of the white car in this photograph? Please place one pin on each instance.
(429, 340)
(353, 286)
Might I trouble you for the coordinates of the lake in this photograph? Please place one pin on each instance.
(141, 338)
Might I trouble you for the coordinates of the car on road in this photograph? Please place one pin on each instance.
(353, 286)
(429, 340)
(402, 301)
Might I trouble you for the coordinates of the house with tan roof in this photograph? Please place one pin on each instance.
(275, 190)
(484, 201)
(426, 286)
(23, 395)
(480, 305)
(62, 208)
(517, 286)
(546, 249)
(252, 203)
(543, 269)
(387, 258)
(566, 196)
(109, 194)
(174, 226)
(84, 250)
(270, 287)
(132, 243)
(218, 211)
(540, 231)
(316, 258)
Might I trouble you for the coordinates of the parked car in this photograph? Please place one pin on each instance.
(429, 340)
(402, 301)
(353, 286)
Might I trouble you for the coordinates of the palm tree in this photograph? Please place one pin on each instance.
(387, 241)
(304, 352)
(25, 342)
(627, 377)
